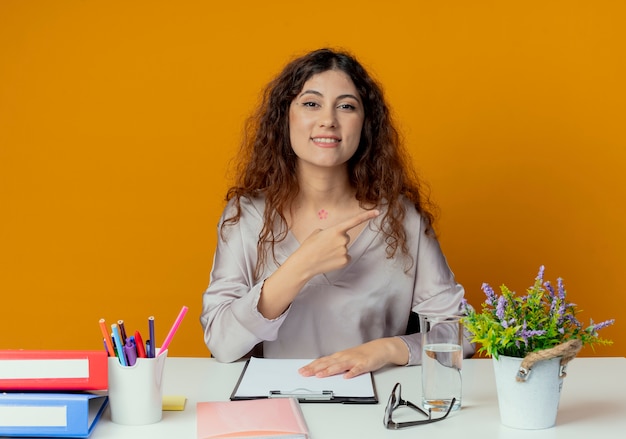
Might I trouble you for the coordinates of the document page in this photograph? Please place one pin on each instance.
(264, 375)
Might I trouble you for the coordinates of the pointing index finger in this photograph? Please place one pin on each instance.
(357, 219)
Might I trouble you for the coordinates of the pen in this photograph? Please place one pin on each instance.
(118, 344)
(120, 324)
(130, 351)
(173, 330)
(107, 339)
(152, 339)
(115, 354)
(141, 351)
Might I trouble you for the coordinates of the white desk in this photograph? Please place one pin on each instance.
(593, 404)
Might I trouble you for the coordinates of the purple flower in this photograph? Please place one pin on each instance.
(570, 318)
(540, 274)
(561, 288)
(500, 310)
(491, 295)
(505, 324)
(540, 319)
(526, 334)
(604, 324)
(553, 304)
(561, 312)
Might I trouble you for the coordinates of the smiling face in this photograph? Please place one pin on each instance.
(325, 120)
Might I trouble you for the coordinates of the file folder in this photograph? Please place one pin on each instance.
(260, 418)
(279, 378)
(71, 415)
(53, 370)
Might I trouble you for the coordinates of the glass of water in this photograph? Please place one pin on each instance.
(442, 358)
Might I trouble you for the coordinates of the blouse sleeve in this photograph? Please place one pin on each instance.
(231, 322)
(436, 292)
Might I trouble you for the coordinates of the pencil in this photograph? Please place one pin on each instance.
(107, 339)
(173, 330)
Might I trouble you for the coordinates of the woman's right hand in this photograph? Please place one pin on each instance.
(326, 250)
(322, 251)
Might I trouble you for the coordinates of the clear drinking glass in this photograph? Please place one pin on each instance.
(442, 358)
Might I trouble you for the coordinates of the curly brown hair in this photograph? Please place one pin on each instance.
(379, 171)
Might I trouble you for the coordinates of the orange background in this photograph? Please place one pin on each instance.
(118, 120)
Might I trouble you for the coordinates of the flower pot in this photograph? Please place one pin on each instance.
(531, 404)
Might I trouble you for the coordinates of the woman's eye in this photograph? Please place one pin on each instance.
(347, 107)
(309, 104)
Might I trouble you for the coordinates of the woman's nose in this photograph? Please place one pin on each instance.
(328, 118)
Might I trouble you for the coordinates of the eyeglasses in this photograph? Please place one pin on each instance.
(396, 401)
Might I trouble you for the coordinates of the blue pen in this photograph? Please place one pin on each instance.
(148, 348)
(152, 350)
(130, 351)
(118, 344)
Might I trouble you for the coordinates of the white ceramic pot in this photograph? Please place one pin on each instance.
(530, 404)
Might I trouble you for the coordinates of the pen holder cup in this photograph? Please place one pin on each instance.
(136, 392)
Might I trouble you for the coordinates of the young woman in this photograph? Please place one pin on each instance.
(326, 244)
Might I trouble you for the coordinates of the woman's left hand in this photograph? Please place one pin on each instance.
(361, 359)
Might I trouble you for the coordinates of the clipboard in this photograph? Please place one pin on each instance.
(279, 378)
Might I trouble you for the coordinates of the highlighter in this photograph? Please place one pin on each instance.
(130, 351)
(141, 350)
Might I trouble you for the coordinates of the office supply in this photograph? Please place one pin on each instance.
(107, 338)
(136, 392)
(279, 378)
(141, 350)
(174, 328)
(130, 351)
(174, 403)
(53, 370)
(152, 345)
(592, 405)
(50, 414)
(119, 344)
(122, 328)
(271, 418)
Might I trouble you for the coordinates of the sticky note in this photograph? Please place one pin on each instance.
(174, 402)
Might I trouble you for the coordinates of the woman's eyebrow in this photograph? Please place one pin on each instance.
(348, 96)
(343, 96)
(312, 92)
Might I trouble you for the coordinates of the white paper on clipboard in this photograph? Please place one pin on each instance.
(262, 376)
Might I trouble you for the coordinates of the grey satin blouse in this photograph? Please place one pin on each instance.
(370, 298)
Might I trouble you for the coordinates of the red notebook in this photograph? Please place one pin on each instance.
(53, 370)
(255, 418)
